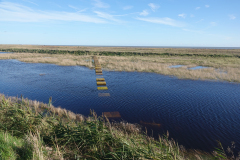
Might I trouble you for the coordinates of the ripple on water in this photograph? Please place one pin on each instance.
(196, 113)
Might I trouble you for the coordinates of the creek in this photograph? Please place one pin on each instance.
(196, 113)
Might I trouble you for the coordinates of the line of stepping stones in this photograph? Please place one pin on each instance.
(101, 83)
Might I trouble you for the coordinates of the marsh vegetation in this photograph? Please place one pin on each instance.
(222, 64)
(33, 130)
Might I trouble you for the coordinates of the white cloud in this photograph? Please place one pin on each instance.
(213, 23)
(207, 6)
(55, 4)
(127, 7)
(30, 2)
(19, 13)
(77, 9)
(165, 21)
(192, 16)
(100, 4)
(197, 8)
(108, 16)
(144, 13)
(232, 17)
(153, 6)
(73, 7)
(200, 20)
(182, 15)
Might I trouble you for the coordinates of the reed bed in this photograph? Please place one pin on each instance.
(63, 60)
(218, 69)
(33, 130)
(227, 69)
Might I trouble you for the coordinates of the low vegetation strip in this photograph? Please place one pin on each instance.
(125, 53)
(33, 130)
(126, 49)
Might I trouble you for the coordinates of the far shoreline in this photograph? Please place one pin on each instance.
(115, 46)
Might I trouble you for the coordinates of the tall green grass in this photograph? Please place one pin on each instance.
(33, 130)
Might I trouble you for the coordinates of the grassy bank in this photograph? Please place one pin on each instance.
(33, 130)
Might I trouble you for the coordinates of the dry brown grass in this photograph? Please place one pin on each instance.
(59, 59)
(227, 69)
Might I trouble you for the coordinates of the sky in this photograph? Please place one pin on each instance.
(193, 23)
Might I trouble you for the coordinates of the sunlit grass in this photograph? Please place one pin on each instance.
(220, 68)
(33, 130)
(229, 71)
(55, 132)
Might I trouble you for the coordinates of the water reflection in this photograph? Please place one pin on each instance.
(150, 124)
(103, 94)
(112, 114)
(197, 67)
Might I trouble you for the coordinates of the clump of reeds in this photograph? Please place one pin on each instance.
(41, 131)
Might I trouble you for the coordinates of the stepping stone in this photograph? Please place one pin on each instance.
(101, 83)
(102, 88)
(100, 79)
(98, 71)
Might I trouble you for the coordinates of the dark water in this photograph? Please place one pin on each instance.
(196, 113)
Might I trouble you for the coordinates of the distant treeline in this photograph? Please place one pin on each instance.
(107, 53)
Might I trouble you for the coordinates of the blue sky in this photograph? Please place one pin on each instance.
(212, 23)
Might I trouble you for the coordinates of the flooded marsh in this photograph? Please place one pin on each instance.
(230, 67)
(140, 89)
(196, 113)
